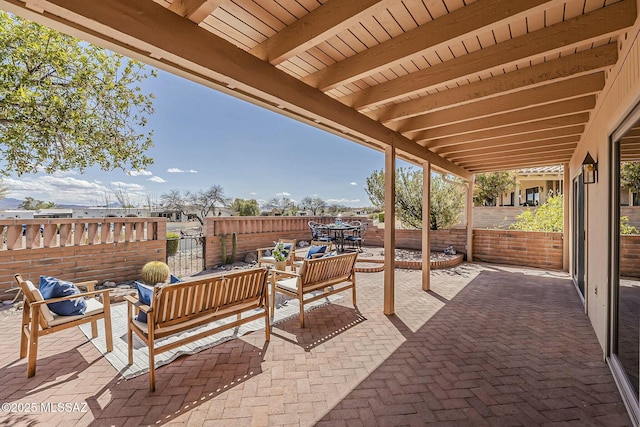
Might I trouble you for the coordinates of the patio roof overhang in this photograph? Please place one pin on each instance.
(490, 85)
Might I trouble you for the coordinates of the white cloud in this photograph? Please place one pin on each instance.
(283, 194)
(253, 193)
(139, 173)
(342, 201)
(65, 173)
(70, 190)
(353, 183)
(156, 179)
(178, 170)
(127, 186)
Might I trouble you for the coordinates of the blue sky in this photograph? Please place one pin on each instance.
(203, 137)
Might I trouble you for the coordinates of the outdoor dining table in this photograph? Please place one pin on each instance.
(338, 233)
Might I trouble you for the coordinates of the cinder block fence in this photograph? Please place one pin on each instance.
(115, 249)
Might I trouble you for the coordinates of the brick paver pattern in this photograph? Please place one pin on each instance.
(488, 345)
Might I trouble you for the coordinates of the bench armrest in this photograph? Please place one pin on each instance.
(70, 297)
(136, 302)
(90, 285)
(279, 273)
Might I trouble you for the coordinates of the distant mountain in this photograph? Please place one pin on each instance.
(9, 203)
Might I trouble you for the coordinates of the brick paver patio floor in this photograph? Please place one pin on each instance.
(489, 345)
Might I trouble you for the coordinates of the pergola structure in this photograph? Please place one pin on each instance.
(457, 86)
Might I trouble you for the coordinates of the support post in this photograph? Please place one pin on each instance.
(426, 226)
(470, 219)
(566, 188)
(389, 228)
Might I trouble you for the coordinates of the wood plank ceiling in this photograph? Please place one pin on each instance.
(471, 86)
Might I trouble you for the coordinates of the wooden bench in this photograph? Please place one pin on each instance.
(183, 306)
(329, 275)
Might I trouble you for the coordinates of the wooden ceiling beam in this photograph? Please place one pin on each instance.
(564, 89)
(318, 25)
(133, 28)
(541, 112)
(541, 137)
(445, 30)
(507, 131)
(546, 147)
(589, 27)
(518, 165)
(517, 162)
(563, 67)
(195, 10)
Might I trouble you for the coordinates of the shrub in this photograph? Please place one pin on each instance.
(173, 239)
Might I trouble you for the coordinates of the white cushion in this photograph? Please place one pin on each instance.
(93, 307)
(289, 284)
(37, 296)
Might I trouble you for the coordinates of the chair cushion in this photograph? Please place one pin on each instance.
(50, 287)
(93, 307)
(290, 284)
(37, 296)
(313, 250)
(145, 293)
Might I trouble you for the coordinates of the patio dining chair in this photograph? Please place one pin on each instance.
(356, 238)
(38, 320)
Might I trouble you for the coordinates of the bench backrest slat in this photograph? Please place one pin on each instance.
(179, 302)
(334, 268)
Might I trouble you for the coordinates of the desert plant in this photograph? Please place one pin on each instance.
(234, 248)
(155, 272)
(173, 239)
(223, 247)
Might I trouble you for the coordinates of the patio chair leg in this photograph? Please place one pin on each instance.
(152, 368)
(273, 296)
(33, 344)
(94, 329)
(24, 338)
(301, 312)
(129, 334)
(267, 323)
(107, 324)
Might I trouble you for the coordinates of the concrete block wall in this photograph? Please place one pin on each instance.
(630, 256)
(526, 248)
(116, 262)
(48, 253)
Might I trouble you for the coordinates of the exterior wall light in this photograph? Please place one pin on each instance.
(589, 170)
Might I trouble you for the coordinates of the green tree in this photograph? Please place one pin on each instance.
(246, 207)
(282, 205)
(314, 204)
(66, 104)
(489, 186)
(546, 217)
(32, 204)
(630, 176)
(447, 200)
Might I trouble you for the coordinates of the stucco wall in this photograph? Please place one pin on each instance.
(619, 97)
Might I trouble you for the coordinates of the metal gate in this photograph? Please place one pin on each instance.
(185, 255)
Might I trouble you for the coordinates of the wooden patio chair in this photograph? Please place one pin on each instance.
(38, 320)
(263, 258)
